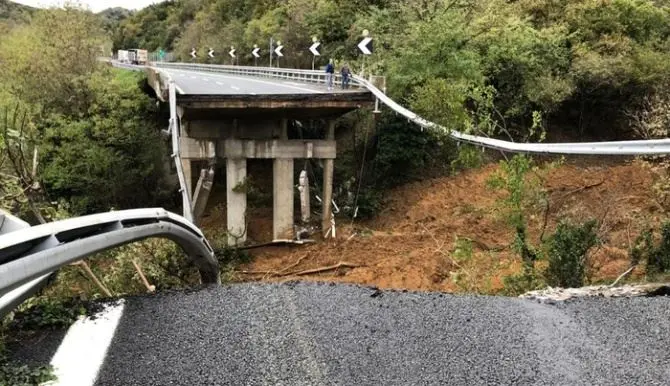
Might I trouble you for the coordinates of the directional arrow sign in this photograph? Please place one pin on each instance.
(278, 51)
(211, 53)
(255, 52)
(314, 47)
(193, 55)
(366, 46)
(231, 52)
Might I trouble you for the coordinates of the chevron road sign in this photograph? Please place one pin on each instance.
(232, 52)
(211, 52)
(193, 53)
(278, 50)
(366, 46)
(314, 47)
(255, 52)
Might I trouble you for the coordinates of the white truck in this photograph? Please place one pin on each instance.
(122, 56)
(138, 56)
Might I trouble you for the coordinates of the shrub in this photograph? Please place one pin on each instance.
(523, 282)
(567, 253)
(659, 258)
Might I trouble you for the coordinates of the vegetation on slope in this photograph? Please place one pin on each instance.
(13, 14)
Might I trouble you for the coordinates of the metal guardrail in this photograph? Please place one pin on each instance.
(637, 147)
(307, 76)
(13, 298)
(28, 254)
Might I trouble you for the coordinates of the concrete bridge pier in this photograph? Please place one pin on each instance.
(234, 128)
(328, 170)
(236, 200)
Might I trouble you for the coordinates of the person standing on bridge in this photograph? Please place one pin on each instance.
(346, 73)
(330, 70)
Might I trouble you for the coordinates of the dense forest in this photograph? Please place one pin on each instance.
(76, 136)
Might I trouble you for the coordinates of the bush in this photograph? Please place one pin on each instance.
(404, 152)
(659, 258)
(523, 282)
(643, 247)
(567, 254)
(111, 156)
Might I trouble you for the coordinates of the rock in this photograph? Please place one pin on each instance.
(549, 295)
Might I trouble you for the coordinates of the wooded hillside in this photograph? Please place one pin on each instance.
(502, 68)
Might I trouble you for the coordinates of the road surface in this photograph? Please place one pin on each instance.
(326, 334)
(191, 82)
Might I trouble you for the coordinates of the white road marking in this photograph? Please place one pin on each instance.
(205, 79)
(193, 77)
(219, 83)
(234, 87)
(295, 84)
(82, 351)
(250, 79)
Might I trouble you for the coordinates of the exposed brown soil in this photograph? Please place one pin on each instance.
(410, 244)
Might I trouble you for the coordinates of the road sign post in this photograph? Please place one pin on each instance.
(278, 52)
(313, 49)
(232, 55)
(255, 54)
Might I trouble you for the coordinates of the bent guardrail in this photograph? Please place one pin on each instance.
(636, 147)
(28, 254)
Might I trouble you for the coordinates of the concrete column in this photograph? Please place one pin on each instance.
(188, 175)
(303, 187)
(328, 166)
(282, 199)
(236, 200)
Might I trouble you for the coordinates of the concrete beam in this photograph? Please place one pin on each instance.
(345, 101)
(201, 149)
(236, 200)
(282, 199)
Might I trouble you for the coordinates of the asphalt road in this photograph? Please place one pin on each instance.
(320, 334)
(209, 83)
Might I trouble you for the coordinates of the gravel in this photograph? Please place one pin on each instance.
(326, 334)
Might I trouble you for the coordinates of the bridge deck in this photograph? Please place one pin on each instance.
(191, 82)
(209, 95)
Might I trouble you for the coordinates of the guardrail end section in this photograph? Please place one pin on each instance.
(10, 223)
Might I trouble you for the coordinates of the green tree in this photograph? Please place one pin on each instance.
(110, 156)
(47, 63)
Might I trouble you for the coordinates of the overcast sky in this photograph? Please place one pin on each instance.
(93, 5)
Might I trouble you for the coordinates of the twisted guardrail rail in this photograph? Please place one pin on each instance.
(29, 254)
